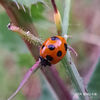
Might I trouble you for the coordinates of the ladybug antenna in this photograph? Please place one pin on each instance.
(72, 50)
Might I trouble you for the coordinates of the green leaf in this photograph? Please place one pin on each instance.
(94, 84)
(36, 11)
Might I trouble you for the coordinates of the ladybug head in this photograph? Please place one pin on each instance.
(44, 62)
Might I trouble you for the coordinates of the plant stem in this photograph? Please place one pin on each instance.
(74, 75)
(25, 35)
(67, 61)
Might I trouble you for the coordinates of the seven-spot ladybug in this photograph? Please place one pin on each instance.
(53, 50)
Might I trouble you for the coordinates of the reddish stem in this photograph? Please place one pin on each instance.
(54, 5)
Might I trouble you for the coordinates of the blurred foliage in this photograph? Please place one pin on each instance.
(94, 84)
(25, 60)
(9, 71)
(9, 39)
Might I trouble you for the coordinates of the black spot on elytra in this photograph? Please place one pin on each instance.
(59, 53)
(51, 47)
(49, 58)
(43, 46)
(54, 38)
(65, 45)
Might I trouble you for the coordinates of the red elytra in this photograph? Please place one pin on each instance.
(53, 50)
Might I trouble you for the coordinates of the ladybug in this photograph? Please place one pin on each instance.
(53, 50)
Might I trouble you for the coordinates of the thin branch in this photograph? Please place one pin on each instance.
(26, 77)
(25, 35)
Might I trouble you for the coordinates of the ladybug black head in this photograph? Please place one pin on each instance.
(44, 62)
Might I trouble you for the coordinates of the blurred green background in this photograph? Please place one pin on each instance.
(15, 58)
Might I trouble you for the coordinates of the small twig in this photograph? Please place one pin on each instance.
(26, 35)
(26, 77)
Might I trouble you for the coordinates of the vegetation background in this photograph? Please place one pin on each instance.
(15, 58)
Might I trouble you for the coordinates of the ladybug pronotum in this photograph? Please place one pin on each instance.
(53, 50)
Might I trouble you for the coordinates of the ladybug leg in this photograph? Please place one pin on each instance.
(72, 50)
